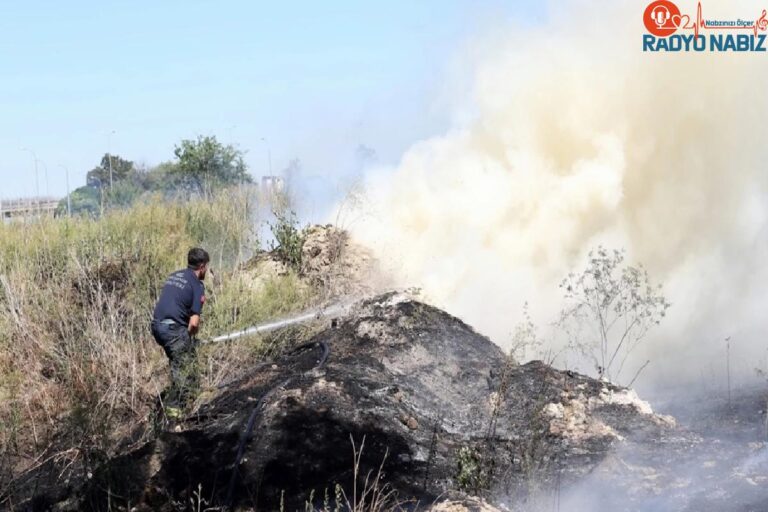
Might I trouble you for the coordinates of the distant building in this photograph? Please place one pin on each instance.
(272, 185)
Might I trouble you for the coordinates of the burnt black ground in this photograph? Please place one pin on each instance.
(419, 388)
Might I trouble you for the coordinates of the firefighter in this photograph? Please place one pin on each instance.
(175, 323)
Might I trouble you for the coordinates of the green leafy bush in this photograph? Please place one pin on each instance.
(289, 239)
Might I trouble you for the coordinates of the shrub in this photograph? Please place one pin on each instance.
(289, 239)
(471, 475)
(611, 308)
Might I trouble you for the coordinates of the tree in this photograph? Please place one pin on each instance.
(99, 176)
(205, 164)
(84, 200)
(615, 304)
(161, 178)
(123, 194)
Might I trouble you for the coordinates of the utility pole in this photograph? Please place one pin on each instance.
(69, 204)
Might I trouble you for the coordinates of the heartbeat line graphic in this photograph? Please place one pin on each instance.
(684, 22)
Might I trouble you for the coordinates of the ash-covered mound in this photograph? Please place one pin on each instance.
(337, 266)
(423, 397)
(332, 265)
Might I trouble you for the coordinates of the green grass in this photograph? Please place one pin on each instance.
(76, 298)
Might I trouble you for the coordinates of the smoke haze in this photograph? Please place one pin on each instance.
(572, 137)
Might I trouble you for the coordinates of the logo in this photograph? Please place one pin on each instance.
(659, 18)
(671, 30)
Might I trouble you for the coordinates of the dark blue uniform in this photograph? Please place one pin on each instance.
(183, 295)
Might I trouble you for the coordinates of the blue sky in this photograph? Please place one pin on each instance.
(314, 79)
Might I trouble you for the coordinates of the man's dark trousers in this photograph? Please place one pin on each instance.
(180, 349)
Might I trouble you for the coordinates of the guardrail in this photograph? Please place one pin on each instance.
(28, 207)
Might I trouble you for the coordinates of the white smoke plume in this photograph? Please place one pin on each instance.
(576, 137)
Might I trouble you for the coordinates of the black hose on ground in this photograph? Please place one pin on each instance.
(326, 351)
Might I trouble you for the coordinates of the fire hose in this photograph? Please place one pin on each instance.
(316, 314)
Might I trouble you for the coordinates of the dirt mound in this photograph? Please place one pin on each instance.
(422, 399)
(331, 264)
(336, 265)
